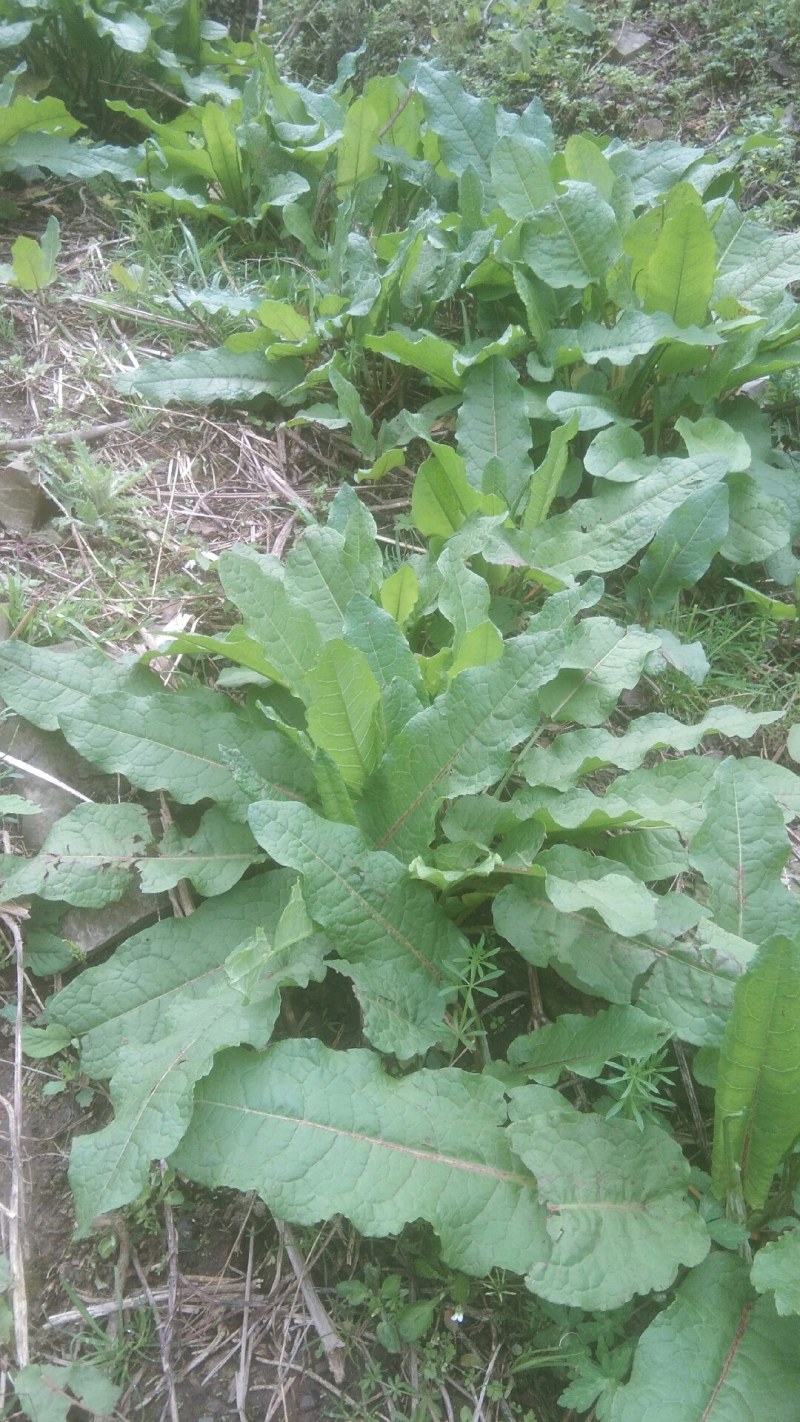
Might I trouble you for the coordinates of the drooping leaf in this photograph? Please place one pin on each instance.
(128, 998)
(601, 661)
(173, 743)
(394, 940)
(618, 1220)
(574, 1043)
(40, 684)
(421, 350)
(87, 858)
(400, 593)
(577, 753)
(713, 1353)
(604, 532)
(151, 1088)
(288, 1125)
(740, 850)
(757, 1111)
(213, 859)
(201, 377)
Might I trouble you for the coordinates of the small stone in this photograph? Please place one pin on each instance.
(627, 41)
(306, 1402)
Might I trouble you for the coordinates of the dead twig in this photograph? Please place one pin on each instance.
(333, 1345)
(15, 1213)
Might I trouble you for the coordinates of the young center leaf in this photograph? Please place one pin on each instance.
(345, 715)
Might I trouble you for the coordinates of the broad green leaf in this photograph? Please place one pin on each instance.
(355, 157)
(714, 1354)
(521, 175)
(546, 478)
(67, 158)
(777, 1267)
(759, 525)
(352, 409)
(604, 532)
(344, 711)
(583, 1045)
(376, 633)
(476, 647)
(465, 126)
(459, 745)
(283, 320)
(26, 115)
(757, 266)
(586, 163)
(213, 859)
(286, 631)
(463, 596)
(129, 997)
(574, 240)
(681, 551)
(757, 1111)
(129, 31)
(601, 661)
(325, 569)
(219, 132)
(617, 453)
(420, 350)
(712, 436)
(174, 743)
(17, 805)
(443, 498)
(635, 333)
(394, 940)
(593, 411)
(400, 594)
(696, 990)
(152, 1085)
(87, 858)
(492, 424)
(46, 1393)
(35, 264)
(691, 984)
(334, 797)
(618, 1220)
(627, 907)
(201, 377)
(40, 684)
(740, 850)
(430, 1145)
(577, 753)
(680, 273)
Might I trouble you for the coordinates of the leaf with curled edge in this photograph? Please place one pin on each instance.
(153, 1082)
(171, 741)
(395, 941)
(317, 1133)
(618, 1220)
(128, 998)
